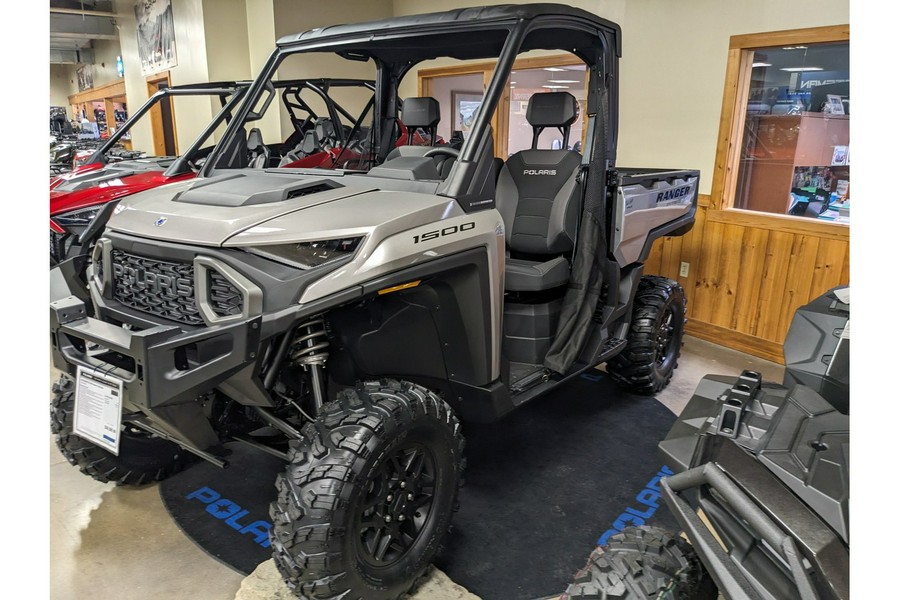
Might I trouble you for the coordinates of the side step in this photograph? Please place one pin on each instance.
(611, 347)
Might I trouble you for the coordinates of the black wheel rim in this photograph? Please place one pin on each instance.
(665, 338)
(397, 505)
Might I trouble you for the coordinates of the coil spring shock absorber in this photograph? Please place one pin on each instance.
(308, 351)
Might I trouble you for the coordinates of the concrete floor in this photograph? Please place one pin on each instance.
(118, 542)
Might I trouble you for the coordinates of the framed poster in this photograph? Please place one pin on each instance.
(155, 35)
(85, 77)
(465, 109)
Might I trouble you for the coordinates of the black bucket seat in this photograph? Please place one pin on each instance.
(539, 199)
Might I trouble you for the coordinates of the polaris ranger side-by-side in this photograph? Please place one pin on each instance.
(349, 319)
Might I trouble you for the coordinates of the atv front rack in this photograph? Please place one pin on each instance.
(818, 572)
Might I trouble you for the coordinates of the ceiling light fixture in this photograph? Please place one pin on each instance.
(793, 48)
(553, 69)
(563, 80)
(761, 64)
(800, 69)
(556, 87)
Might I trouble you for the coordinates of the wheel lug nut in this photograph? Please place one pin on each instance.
(402, 485)
(409, 496)
(401, 518)
(390, 497)
(387, 518)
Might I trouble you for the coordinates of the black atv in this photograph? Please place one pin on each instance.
(761, 488)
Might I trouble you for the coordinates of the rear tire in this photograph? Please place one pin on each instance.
(366, 499)
(643, 563)
(142, 457)
(650, 357)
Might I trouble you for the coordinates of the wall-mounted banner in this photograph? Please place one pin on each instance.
(155, 35)
(85, 77)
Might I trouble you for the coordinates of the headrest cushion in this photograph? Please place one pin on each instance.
(421, 112)
(553, 109)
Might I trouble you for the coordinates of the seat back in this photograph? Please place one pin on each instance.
(537, 193)
(259, 152)
(326, 134)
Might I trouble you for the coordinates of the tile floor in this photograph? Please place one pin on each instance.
(118, 542)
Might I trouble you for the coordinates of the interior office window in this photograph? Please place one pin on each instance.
(795, 150)
(524, 83)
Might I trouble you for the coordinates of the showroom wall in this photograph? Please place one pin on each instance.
(295, 16)
(62, 85)
(744, 280)
(673, 72)
(190, 40)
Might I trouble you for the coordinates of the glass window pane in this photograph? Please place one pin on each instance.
(523, 84)
(795, 151)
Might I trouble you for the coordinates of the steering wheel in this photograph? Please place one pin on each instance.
(438, 150)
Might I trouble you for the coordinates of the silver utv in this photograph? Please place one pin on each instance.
(364, 311)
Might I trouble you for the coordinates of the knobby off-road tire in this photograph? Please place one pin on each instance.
(643, 563)
(366, 499)
(646, 364)
(142, 458)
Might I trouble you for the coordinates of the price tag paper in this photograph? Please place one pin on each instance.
(98, 408)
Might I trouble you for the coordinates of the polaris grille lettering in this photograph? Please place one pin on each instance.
(539, 172)
(158, 284)
(672, 194)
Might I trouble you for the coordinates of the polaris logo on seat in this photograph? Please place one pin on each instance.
(539, 172)
(673, 194)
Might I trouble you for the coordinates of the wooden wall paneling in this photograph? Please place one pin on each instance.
(690, 253)
(798, 281)
(728, 276)
(845, 269)
(707, 282)
(771, 291)
(829, 267)
(671, 256)
(653, 264)
(752, 266)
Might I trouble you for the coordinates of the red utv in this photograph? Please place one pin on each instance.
(110, 172)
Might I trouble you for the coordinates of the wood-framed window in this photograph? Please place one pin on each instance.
(782, 160)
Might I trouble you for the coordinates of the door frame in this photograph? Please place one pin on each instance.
(156, 119)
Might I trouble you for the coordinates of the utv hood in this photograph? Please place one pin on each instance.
(209, 211)
(90, 185)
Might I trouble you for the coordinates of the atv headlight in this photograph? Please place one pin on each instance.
(309, 255)
(78, 218)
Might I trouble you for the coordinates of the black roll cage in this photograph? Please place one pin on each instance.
(228, 92)
(358, 43)
(290, 96)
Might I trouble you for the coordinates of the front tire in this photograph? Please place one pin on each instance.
(367, 496)
(643, 563)
(142, 457)
(650, 357)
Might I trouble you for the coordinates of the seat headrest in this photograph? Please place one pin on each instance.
(421, 112)
(324, 129)
(552, 109)
(254, 139)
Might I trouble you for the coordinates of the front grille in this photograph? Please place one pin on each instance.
(166, 289)
(224, 298)
(59, 245)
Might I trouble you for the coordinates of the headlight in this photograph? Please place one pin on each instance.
(309, 255)
(77, 218)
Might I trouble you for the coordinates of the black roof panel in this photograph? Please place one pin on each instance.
(362, 37)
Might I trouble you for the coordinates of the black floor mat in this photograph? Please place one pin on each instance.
(542, 487)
